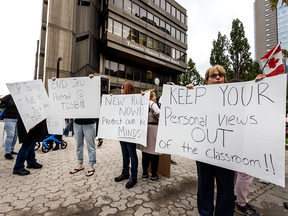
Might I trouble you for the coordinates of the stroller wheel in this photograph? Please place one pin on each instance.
(63, 144)
(44, 149)
(37, 145)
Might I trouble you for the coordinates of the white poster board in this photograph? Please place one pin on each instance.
(124, 118)
(29, 102)
(238, 126)
(1, 133)
(55, 126)
(77, 97)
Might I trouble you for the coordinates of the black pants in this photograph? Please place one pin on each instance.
(146, 158)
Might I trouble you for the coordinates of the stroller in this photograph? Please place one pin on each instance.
(46, 146)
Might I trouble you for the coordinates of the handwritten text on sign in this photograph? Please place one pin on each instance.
(239, 126)
(28, 99)
(124, 118)
(77, 97)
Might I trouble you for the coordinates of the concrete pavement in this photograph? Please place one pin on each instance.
(52, 190)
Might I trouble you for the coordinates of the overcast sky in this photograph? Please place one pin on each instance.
(20, 30)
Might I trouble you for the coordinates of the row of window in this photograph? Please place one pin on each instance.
(133, 35)
(134, 73)
(126, 5)
(155, 21)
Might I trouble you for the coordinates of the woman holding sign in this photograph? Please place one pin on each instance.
(148, 153)
(128, 150)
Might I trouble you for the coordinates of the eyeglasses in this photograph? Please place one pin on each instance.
(213, 76)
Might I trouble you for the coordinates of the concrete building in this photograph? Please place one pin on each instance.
(270, 27)
(143, 41)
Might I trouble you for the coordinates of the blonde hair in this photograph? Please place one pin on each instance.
(151, 92)
(219, 68)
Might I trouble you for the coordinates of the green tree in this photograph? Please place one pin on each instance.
(252, 71)
(191, 75)
(239, 49)
(275, 2)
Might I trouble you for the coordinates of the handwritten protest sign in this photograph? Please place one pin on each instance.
(239, 126)
(28, 98)
(124, 118)
(77, 97)
(1, 133)
(55, 126)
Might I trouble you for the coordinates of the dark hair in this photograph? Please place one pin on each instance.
(235, 80)
(128, 88)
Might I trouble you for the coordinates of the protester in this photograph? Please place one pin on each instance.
(225, 203)
(148, 153)
(10, 122)
(128, 150)
(27, 150)
(100, 140)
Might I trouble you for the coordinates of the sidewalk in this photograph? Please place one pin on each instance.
(52, 190)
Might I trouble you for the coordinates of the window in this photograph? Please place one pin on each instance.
(155, 45)
(157, 2)
(168, 28)
(268, 39)
(110, 25)
(113, 68)
(168, 7)
(168, 50)
(150, 18)
(126, 32)
(177, 54)
(267, 29)
(173, 54)
(163, 4)
(267, 50)
(129, 72)
(182, 58)
(267, 14)
(267, 24)
(106, 67)
(267, 45)
(267, 20)
(127, 6)
(135, 36)
(142, 39)
(149, 42)
(182, 37)
(83, 3)
(85, 37)
(135, 10)
(266, 5)
(182, 18)
(143, 74)
(136, 74)
(162, 47)
(266, 9)
(162, 25)
(156, 22)
(177, 34)
(149, 77)
(117, 30)
(173, 33)
(121, 71)
(173, 11)
(119, 3)
(143, 14)
(267, 35)
(178, 15)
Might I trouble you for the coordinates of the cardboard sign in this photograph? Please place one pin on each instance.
(28, 98)
(124, 118)
(77, 97)
(238, 126)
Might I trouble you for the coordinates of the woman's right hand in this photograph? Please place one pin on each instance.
(190, 86)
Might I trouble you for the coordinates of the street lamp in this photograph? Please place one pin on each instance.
(58, 62)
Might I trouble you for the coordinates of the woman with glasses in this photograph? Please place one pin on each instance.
(128, 150)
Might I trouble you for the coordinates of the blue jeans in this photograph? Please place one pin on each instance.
(66, 130)
(88, 131)
(129, 150)
(11, 134)
(26, 152)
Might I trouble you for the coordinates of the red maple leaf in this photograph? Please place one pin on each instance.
(272, 63)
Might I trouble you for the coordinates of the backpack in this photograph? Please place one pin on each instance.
(2, 114)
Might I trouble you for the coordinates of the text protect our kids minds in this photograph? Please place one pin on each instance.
(239, 126)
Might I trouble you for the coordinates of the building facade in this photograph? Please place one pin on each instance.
(270, 27)
(142, 41)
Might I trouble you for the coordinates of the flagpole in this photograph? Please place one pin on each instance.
(270, 57)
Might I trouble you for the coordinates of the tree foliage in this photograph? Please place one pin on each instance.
(239, 49)
(275, 2)
(191, 75)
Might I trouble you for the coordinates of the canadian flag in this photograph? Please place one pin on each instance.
(274, 66)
